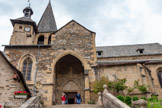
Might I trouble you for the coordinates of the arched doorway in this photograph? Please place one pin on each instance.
(69, 78)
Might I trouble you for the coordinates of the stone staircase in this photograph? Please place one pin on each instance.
(74, 106)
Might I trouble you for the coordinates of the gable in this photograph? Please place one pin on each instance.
(73, 24)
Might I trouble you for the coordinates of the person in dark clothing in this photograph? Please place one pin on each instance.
(78, 98)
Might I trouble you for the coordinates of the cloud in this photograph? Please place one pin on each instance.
(114, 21)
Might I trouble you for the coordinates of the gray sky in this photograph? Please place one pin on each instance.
(116, 22)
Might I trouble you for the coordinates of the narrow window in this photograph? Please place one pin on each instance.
(160, 77)
(49, 40)
(40, 40)
(27, 68)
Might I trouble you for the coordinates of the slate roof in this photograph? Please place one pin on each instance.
(129, 50)
(47, 22)
(24, 20)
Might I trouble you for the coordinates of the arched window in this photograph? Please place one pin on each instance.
(27, 68)
(159, 74)
(49, 40)
(40, 40)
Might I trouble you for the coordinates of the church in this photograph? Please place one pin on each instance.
(67, 60)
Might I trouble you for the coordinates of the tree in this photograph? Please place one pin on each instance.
(117, 86)
(98, 85)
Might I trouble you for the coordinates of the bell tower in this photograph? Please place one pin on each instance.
(24, 29)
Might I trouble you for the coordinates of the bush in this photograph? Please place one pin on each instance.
(143, 98)
(117, 86)
(154, 98)
(135, 98)
(120, 85)
(142, 88)
(91, 102)
(121, 98)
(128, 100)
(98, 85)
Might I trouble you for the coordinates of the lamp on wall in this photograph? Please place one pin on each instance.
(15, 77)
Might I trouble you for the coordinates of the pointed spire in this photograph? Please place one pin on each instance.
(47, 22)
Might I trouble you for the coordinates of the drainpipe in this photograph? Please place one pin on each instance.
(37, 62)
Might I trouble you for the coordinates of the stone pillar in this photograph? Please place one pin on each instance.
(105, 89)
(99, 102)
(87, 90)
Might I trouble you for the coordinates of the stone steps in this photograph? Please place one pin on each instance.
(74, 106)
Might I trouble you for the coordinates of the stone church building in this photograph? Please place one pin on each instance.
(68, 60)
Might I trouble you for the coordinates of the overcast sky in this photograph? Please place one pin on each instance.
(116, 22)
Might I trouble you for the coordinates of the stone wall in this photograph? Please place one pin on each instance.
(145, 73)
(130, 72)
(20, 37)
(8, 86)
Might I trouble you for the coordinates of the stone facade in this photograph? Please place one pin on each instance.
(66, 60)
(80, 47)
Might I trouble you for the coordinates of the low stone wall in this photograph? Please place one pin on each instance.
(110, 101)
(33, 102)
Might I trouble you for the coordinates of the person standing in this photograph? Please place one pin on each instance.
(63, 98)
(78, 98)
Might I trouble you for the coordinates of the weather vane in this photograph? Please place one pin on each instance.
(29, 2)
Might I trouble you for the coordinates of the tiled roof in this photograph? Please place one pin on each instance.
(129, 50)
(47, 22)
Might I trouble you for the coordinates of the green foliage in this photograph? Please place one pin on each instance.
(142, 88)
(118, 85)
(128, 100)
(153, 104)
(135, 98)
(154, 98)
(130, 89)
(98, 85)
(143, 98)
(110, 85)
(136, 83)
(121, 98)
(91, 102)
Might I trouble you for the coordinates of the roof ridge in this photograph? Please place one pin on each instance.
(128, 45)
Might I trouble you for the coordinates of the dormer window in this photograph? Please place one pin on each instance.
(99, 53)
(140, 51)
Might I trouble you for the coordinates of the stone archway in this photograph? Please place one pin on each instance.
(69, 74)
